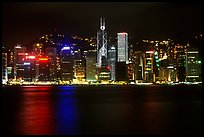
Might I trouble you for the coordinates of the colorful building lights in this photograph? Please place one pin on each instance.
(65, 48)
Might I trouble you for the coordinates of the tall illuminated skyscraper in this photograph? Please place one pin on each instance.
(103, 70)
(67, 63)
(19, 56)
(102, 44)
(112, 61)
(193, 66)
(4, 66)
(122, 47)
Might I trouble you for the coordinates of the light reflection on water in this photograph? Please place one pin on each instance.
(69, 110)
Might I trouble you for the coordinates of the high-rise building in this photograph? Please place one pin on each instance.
(79, 65)
(138, 62)
(102, 45)
(51, 52)
(193, 66)
(122, 47)
(29, 69)
(44, 67)
(148, 66)
(19, 56)
(10, 65)
(102, 61)
(67, 64)
(180, 61)
(91, 65)
(4, 66)
(112, 61)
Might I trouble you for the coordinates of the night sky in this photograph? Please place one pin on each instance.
(23, 22)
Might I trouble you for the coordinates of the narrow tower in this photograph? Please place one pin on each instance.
(102, 44)
(103, 71)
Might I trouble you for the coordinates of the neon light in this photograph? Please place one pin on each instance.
(192, 51)
(43, 59)
(149, 51)
(30, 57)
(26, 63)
(192, 76)
(170, 67)
(65, 48)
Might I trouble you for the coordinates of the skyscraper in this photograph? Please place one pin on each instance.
(122, 47)
(4, 66)
(193, 66)
(91, 65)
(29, 69)
(102, 45)
(148, 66)
(19, 56)
(51, 52)
(67, 63)
(112, 61)
(102, 60)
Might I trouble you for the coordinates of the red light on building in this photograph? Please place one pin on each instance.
(30, 57)
(108, 67)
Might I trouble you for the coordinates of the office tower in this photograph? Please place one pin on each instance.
(29, 68)
(122, 47)
(102, 60)
(180, 61)
(102, 44)
(163, 69)
(19, 56)
(91, 65)
(148, 66)
(193, 66)
(112, 61)
(67, 63)
(44, 67)
(79, 65)
(10, 64)
(138, 63)
(51, 52)
(4, 66)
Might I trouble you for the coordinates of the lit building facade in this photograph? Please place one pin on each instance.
(102, 53)
(79, 65)
(51, 52)
(91, 65)
(193, 66)
(29, 69)
(44, 69)
(67, 64)
(4, 66)
(122, 48)
(138, 63)
(19, 56)
(112, 61)
(148, 66)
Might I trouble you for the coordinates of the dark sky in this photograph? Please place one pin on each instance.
(24, 21)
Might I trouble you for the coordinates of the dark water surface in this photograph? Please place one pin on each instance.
(32, 110)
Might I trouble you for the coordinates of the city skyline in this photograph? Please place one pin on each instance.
(23, 22)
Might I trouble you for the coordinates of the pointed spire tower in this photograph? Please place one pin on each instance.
(102, 60)
(102, 44)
